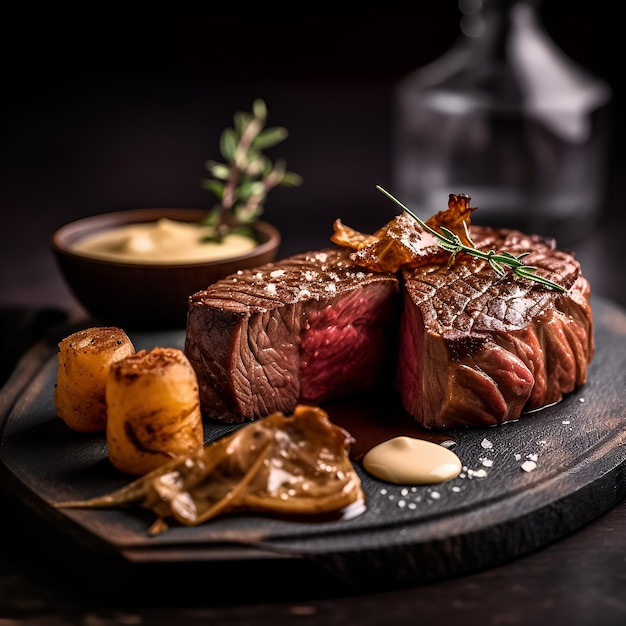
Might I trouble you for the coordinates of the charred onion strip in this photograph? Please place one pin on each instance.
(291, 465)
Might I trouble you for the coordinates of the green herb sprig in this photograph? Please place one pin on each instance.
(242, 182)
(452, 243)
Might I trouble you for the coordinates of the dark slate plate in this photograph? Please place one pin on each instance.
(494, 512)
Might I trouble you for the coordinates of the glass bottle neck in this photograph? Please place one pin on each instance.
(504, 59)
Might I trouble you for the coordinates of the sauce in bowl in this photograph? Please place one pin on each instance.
(162, 241)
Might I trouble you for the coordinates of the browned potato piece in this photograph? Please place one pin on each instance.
(84, 360)
(153, 410)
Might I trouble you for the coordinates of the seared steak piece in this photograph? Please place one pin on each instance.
(462, 345)
(477, 349)
(298, 331)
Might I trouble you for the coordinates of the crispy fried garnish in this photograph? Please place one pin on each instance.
(349, 238)
(454, 217)
(402, 242)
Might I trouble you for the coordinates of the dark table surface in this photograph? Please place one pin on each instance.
(133, 144)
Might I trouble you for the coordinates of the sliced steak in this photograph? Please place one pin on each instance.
(298, 331)
(477, 349)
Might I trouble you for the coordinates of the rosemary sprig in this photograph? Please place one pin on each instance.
(242, 182)
(452, 243)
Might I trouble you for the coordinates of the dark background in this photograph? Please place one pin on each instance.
(111, 109)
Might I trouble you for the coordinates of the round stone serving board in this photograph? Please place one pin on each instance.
(494, 512)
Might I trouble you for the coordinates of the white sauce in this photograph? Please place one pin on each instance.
(410, 461)
(163, 241)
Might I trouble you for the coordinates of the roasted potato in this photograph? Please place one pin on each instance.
(153, 410)
(84, 360)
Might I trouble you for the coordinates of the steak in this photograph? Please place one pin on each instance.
(299, 331)
(460, 344)
(478, 349)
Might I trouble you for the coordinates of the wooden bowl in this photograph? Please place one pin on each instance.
(145, 296)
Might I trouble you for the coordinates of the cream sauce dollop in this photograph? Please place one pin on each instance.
(163, 241)
(411, 461)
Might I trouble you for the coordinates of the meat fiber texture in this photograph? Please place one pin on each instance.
(478, 349)
(299, 331)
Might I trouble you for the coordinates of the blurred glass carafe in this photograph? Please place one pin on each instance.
(506, 117)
